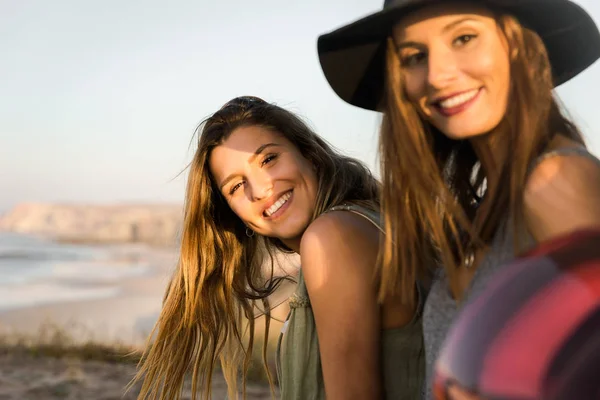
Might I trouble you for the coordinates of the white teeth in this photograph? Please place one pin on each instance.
(459, 99)
(277, 205)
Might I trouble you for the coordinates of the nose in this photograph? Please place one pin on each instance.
(441, 67)
(260, 187)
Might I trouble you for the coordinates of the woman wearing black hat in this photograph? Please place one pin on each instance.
(478, 160)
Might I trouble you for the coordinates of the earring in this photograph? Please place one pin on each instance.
(249, 232)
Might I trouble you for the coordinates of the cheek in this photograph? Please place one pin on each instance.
(499, 69)
(299, 168)
(414, 85)
(313, 184)
(504, 74)
(310, 175)
(241, 209)
(307, 174)
(494, 65)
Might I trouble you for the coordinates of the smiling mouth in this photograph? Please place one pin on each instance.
(455, 104)
(278, 204)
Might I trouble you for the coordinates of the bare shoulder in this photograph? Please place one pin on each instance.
(339, 238)
(561, 174)
(562, 194)
(338, 227)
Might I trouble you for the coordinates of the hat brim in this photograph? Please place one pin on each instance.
(353, 57)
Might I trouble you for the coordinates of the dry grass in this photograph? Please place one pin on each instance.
(58, 342)
(69, 362)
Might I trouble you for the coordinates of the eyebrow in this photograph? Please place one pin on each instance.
(257, 152)
(444, 30)
(457, 22)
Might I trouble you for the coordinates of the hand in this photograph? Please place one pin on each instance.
(456, 393)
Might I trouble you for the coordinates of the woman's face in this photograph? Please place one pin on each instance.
(455, 68)
(267, 183)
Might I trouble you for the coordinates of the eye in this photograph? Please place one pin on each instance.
(235, 187)
(413, 59)
(464, 39)
(268, 159)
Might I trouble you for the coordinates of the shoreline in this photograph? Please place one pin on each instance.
(126, 317)
(87, 348)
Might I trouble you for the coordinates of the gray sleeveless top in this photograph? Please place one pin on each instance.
(441, 309)
(298, 360)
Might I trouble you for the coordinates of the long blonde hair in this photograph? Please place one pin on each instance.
(209, 305)
(432, 184)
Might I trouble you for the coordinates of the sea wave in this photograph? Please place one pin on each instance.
(45, 293)
(35, 271)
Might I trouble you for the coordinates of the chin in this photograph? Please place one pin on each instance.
(463, 135)
(292, 230)
(467, 126)
(465, 131)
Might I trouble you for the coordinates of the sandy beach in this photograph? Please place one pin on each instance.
(29, 378)
(126, 317)
(123, 319)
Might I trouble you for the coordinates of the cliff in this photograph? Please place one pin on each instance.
(152, 224)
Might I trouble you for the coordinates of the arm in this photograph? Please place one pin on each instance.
(338, 254)
(562, 195)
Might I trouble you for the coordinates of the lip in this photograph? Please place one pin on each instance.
(272, 201)
(439, 99)
(448, 112)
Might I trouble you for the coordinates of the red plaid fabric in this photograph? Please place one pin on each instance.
(535, 332)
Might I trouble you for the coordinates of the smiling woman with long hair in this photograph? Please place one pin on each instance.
(479, 161)
(261, 181)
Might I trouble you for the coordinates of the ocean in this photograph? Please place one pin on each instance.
(35, 271)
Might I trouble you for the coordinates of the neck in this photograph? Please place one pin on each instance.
(293, 244)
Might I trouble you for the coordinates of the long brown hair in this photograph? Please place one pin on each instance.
(433, 184)
(207, 313)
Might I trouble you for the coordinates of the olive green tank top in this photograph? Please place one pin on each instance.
(298, 358)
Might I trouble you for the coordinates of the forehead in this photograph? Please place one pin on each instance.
(433, 19)
(246, 139)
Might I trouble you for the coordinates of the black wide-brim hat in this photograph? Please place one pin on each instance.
(353, 56)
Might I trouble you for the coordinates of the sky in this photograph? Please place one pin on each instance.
(99, 99)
